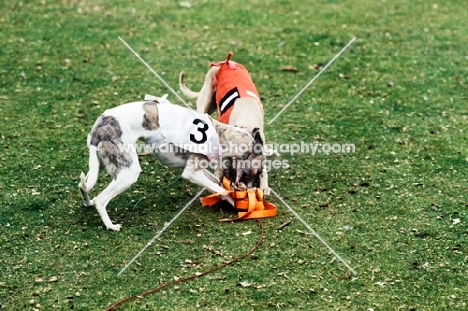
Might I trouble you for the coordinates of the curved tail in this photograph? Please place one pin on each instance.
(185, 90)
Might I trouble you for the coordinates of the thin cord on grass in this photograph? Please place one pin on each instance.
(260, 239)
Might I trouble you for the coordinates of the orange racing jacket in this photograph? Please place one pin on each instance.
(232, 82)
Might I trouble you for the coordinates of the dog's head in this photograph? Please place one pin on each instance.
(247, 170)
(245, 151)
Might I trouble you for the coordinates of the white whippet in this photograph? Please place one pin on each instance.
(112, 145)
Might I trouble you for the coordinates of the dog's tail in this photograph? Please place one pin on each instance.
(88, 181)
(185, 90)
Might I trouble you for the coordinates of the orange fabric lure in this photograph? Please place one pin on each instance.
(249, 203)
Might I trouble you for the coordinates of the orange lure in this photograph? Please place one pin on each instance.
(249, 203)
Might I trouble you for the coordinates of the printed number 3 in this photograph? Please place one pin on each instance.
(202, 130)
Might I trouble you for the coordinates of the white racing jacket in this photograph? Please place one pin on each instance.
(187, 129)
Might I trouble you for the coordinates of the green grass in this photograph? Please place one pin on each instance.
(61, 66)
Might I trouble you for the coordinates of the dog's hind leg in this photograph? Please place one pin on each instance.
(122, 181)
(87, 182)
(206, 101)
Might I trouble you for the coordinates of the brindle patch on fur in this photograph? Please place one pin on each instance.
(107, 137)
(220, 130)
(113, 158)
(150, 118)
(106, 129)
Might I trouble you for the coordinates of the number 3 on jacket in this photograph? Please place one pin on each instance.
(202, 130)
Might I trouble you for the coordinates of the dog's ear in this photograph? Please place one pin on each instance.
(258, 142)
(257, 137)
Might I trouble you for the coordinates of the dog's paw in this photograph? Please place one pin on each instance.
(266, 191)
(241, 186)
(115, 227)
(264, 185)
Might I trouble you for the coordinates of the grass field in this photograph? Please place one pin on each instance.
(399, 94)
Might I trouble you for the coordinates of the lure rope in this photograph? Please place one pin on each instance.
(260, 239)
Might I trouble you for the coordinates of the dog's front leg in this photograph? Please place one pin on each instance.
(214, 178)
(199, 177)
(264, 182)
(219, 169)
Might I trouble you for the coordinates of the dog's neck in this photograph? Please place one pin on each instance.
(234, 139)
(221, 127)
